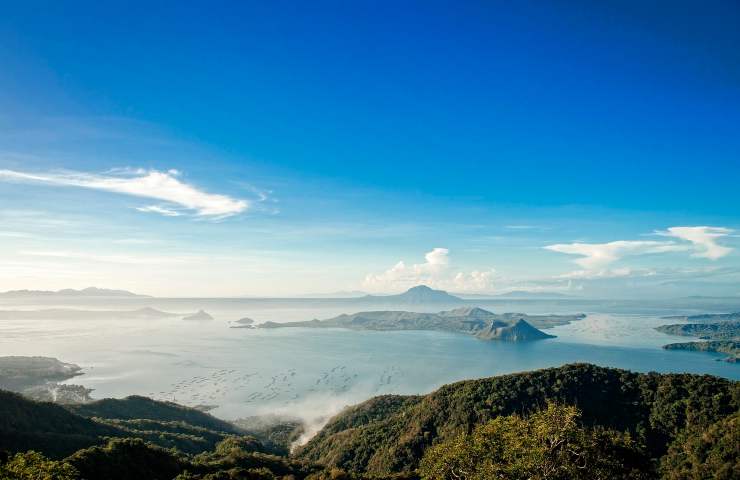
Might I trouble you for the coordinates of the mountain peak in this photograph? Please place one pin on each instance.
(423, 293)
(422, 288)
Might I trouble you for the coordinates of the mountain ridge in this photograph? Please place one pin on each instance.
(71, 292)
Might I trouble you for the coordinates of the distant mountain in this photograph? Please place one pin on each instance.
(418, 295)
(70, 292)
(474, 321)
(68, 313)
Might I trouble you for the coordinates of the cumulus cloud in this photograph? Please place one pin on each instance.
(435, 272)
(152, 184)
(703, 239)
(599, 255)
(595, 258)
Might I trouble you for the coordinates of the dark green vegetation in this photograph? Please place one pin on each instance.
(722, 336)
(59, 431)
(473, 321)
(573, 422)
(134, 438)
(392, 434)
(549, 444)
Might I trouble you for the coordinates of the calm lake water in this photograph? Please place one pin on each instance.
(313, 373)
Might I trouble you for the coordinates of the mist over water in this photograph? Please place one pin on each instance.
(314, 373)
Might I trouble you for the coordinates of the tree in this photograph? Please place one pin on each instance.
(548, 445)
(34, 466)
(699, 453)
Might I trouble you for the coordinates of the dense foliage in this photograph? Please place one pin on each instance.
(652, 408)
(34, 466)
(137, 407)
(547, 445)
(712, 452)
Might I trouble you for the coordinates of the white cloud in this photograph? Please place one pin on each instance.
(600, 255)
(607, 273)
(703, 240)
(435, 272)
(167, 212)
(164, 186)
(475, 281)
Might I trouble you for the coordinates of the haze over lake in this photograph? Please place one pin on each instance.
(316, 372)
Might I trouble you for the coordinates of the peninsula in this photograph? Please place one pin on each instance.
(721, 336)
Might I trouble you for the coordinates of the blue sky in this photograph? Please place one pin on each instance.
(278, 148)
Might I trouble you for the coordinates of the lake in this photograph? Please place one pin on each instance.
(313, 373)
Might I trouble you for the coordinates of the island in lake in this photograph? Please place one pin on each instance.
(199, 316)
(511, 327)
(243, 323)
(720, 333)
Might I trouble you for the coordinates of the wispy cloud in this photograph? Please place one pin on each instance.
(599, 255)
(167, 212)
(704, 240)
(152, 184)
(435, 272)
(595, 258)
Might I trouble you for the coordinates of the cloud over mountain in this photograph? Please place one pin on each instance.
(435, 272)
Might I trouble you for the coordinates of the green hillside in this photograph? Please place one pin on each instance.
(576, 422)
(393, 436)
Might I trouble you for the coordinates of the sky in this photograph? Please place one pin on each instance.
(288, 148)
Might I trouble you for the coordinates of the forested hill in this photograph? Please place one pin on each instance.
(391, 434)
(576, 422)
